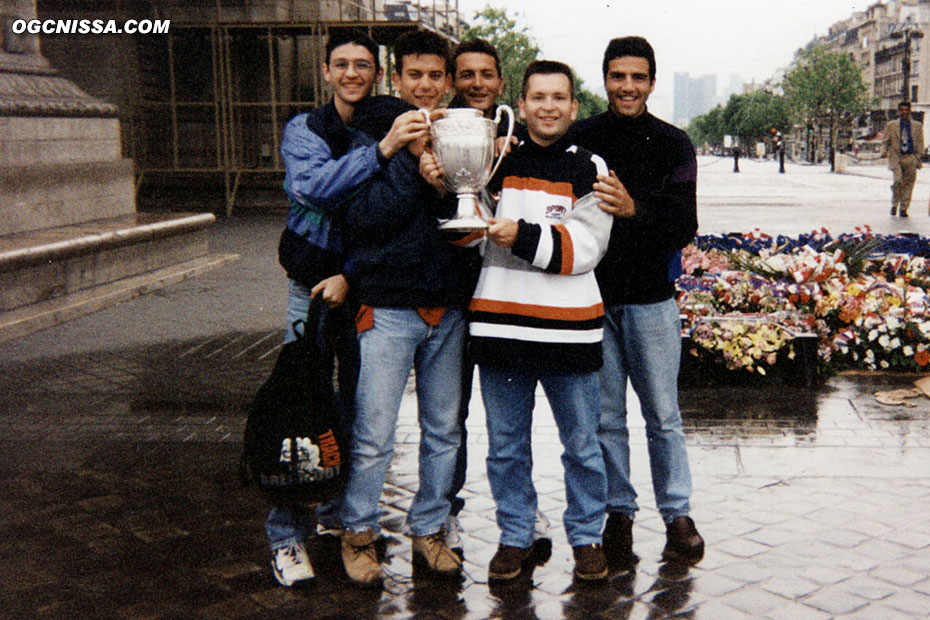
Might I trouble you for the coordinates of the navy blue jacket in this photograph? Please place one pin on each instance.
(399, 257)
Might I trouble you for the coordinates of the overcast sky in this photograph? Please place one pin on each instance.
(751, 38)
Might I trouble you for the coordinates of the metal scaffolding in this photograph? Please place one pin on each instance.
(211, 97)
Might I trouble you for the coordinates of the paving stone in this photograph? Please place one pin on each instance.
(868, 587)
(897, 575)
(835, 601)
(913, 603)
(796, 611)
(790, 587)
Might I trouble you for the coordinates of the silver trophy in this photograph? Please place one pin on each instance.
(463, 142)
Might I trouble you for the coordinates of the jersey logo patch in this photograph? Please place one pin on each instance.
(556, 212)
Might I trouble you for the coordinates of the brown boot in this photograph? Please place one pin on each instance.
(683, 543)
(618, 541)
(590, 563)
(436, 554)
(360, 558)
(508, 562)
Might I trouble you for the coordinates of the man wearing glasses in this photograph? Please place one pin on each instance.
(326, 161)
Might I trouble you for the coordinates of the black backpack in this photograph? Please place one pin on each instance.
(294, 450)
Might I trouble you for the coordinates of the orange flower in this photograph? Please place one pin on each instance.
(922, 358)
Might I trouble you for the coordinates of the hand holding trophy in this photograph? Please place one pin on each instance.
(463, 143)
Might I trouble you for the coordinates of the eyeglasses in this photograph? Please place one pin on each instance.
(360, 66)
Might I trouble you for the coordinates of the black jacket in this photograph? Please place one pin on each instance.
(655, 161)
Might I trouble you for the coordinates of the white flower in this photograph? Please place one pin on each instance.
(892, 322)
(896, 343)
(908, 350)
(884, 341)
(870, 356)
(884, 364)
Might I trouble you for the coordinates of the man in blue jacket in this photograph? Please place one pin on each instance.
(411, 287)
(326, 161)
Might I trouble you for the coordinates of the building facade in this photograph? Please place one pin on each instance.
(203, 105)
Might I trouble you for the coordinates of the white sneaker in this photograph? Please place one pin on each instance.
(540, 526)
(291, 565)
(452, 529)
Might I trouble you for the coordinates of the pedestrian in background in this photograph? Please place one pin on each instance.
(903, 144)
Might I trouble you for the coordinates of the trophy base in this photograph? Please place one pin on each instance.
(464, 224)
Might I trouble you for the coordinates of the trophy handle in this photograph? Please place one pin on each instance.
(497, 119)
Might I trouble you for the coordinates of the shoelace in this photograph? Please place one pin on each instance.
(289, 555)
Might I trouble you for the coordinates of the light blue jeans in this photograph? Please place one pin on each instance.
(509, 398)
(401, 339)
(642, 342)
(287, 525)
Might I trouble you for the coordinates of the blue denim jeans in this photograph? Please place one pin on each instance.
(287, 525)
(401, 339)
(642, 342)
(509, 398)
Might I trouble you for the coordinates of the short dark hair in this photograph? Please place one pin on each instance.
(547, 67)
(630, 46)
(904, 104)
(476, 46)
(341, 36)
(421, 42)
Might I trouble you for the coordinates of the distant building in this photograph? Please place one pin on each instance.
(881, 39)
(693, 97)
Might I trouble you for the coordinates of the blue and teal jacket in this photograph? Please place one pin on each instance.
(326, 162)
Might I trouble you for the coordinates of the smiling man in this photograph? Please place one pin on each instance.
(326, 160)
(477, 79)
(536, 318)
(651, 193)
(412, 290)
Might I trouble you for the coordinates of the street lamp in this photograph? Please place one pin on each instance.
(908, 33)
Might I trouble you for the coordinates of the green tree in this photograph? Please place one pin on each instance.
(517, 48)
(752, 116)
(707, 128)
(826, 88)
(589, 103)
(749, 117)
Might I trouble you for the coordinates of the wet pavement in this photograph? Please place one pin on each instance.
(120, 432)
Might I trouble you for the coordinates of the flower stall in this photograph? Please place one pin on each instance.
(806, 306)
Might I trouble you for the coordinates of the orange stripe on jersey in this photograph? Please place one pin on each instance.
(568, 250)
(540, 312)
(464, 241)
(527, 183)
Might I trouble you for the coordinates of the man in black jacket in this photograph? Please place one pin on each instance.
(651, 192)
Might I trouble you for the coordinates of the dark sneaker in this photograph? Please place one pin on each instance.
(903, 212)
(618, 541)
(683, 541)
(590, 563)
(507, 562)
(894, 210)
(291, 565)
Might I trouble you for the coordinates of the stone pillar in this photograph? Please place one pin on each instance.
(60, 157)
